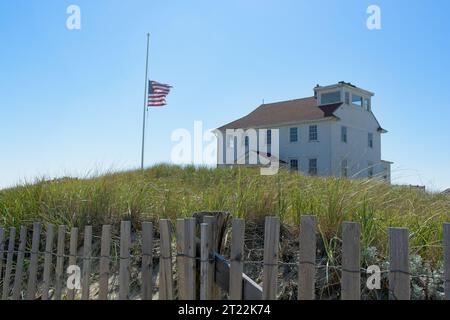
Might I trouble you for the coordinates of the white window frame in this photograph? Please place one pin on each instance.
(313, 133)
(290, 165)
(316, 170)
(344, 135)
(335, 92)
(361, 100)
(347, 97)
(370, 140)
(344, 168)
(296, 134)
(367, 106)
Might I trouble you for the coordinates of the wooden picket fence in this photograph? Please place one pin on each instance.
(202, 272)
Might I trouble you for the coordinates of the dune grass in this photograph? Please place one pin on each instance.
(166, 191)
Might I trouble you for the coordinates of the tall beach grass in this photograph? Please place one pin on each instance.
(167, 191)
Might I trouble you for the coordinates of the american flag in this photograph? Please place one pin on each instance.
(157, 93)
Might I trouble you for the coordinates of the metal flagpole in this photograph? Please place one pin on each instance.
(145, 104)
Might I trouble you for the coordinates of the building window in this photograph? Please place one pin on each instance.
(313, 133)
(312, 169)
(269, 137)
(358, 100)
(330, 97)
(344, 134)
(367, 104)
(246, 141)
(370, 140)
(344, 168)
(347, 97)
(293, 134)
(370, 170)
(293, 164)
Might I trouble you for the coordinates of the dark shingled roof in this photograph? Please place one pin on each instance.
(305, 109)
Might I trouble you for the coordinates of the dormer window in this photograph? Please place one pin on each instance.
(347, 97)
(367, 104)
(357, 100)
(330, 97)
(345, 93)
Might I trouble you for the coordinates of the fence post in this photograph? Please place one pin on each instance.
(213, 222)
(399, 277)
(124, 272)
(147, 260)
(87, 247)
(2, 249)
(9, 260)
(31, 287)
(59, 270)
(270, 270)
(19, 263)
(236, 258)
(47, 261)
(206, 256)
(351, 272)
(446, 236)
(165, 268)
(181, 259)
(190, 254)
(307, 258)
(73, 246)
(105, 251)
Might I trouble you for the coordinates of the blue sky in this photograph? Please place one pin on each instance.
(71, 100)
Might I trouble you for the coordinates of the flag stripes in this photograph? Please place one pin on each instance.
(157, 93)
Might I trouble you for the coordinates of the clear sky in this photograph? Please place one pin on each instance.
(71, 100)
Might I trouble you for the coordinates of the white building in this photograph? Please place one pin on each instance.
(332, 133)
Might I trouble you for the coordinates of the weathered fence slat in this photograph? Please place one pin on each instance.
(87, 253)
(31, 287)
(2, 249)
(250, 289)
(307, 258)
(124, 273)
(48, 261)
(190, 254)
(181, 259)
(9, 261)
(446, 235)
(105, 251)
(270, 269)
(236, 258)
(59, 270)
(147, 260)
(213, 221)
(399, 277)
(73, 251)
(19, 263)
(206, 256)
(351, 272)
(165, 261)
